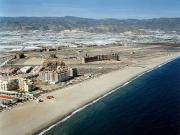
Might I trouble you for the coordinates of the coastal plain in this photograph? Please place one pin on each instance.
(32, 117)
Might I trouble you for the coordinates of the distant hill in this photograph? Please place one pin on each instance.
(85, 24)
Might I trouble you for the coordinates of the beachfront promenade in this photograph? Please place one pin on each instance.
(33, 116)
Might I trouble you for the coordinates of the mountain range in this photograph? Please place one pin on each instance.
(90, 25)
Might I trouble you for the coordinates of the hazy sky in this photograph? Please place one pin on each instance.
(92, 8)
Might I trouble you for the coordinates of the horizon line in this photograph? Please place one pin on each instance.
(88, 17)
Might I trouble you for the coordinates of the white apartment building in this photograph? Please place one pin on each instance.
(8, 85)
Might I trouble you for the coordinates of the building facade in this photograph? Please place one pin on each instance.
(8, 85)
(25, 85)
(59, 75)
(114, 56)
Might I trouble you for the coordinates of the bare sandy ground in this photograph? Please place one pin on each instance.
(34, 61)
(33, 116)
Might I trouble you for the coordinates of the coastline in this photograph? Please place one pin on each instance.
(42, 132)
(72, 99)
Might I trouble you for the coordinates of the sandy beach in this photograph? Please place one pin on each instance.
(33, 116)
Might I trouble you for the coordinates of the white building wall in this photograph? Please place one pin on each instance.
(3, 85)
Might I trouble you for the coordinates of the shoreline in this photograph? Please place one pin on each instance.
(42, 132)
(35, 122)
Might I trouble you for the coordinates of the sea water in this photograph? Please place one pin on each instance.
(149, 105)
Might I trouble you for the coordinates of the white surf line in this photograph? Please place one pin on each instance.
(96, 100)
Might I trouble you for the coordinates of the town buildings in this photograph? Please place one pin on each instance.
(61, 74)
(25, 85)
(25, 69)
(8, 85)
(36, 69)
(8, 70)
(101, 58)
(16, 84)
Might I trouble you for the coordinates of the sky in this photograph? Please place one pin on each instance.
(121, 9)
